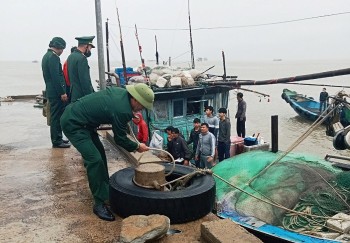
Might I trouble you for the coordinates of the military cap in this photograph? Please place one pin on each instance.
(57, 42)
(85, 40)
(142, 93)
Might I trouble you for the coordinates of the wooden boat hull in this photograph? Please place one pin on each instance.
(304, 106)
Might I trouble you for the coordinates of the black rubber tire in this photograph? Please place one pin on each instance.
(191, 203)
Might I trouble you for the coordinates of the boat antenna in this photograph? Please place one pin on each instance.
(122, 49)
(224, 64)
(107, 48)
(157, 55)
(191, 42)
(140, 51)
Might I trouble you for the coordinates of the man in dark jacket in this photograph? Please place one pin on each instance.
(224, 137)
(79, 70)
(55, 89)
(179, 148)
(241, 115)
(194, 137)
(323, 100)
(115, 106)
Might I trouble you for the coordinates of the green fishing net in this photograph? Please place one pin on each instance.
(302, 183)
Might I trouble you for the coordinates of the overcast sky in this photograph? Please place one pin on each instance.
(28, 26)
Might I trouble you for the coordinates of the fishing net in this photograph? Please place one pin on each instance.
(301, 183)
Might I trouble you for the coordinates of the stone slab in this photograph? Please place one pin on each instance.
(225, 231)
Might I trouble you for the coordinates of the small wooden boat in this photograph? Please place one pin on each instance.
(305, 106)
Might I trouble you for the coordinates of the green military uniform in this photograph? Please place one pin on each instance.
(79, 123)
(79, 71)
(55, 87)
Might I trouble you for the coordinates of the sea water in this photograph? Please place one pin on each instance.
(25, 78)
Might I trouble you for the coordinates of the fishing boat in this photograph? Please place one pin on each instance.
(287, 200)
(305, 106)
(308, 108)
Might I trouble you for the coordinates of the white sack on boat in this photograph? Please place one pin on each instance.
(137, 79)
(161, 70)
(142, 70)
(167, 76)
(194, 73)
(153, 77)
(161, 82)
(175, 81)
(186, 78)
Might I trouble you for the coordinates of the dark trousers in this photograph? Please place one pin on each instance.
(56, 110)
(223, 151)
(88, 143)
(323, 106)
(240, 127)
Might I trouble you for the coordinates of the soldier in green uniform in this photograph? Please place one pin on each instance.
(115, 106)
(79, 70)
(55, 89)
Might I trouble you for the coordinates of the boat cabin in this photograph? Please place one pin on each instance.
(178, 107)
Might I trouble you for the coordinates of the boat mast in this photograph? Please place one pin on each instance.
(107, 48)
(224, 64)
(122, 49)
(191, 42)
(140, 51)
(157, 55)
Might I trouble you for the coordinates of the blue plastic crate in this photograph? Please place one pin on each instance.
(129, 73)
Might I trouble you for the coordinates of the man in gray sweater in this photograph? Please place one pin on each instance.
(206, 147)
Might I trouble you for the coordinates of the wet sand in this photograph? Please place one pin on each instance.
(44, 191)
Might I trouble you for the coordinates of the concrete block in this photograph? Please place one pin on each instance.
(339, 225)
(225, 231)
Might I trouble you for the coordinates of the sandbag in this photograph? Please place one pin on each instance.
(175, 82)
(161, 82)
(137, 79)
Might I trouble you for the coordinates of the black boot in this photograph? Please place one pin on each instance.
(103, 212)
(61, 145)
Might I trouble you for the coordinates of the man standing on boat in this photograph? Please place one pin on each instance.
(213, 123)
(79, 70)
(194, 137)
(211, 120)
(224, 137)
(241, 115)
(323, 100)
(79, 121)
(55, 89)
(206, 147)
